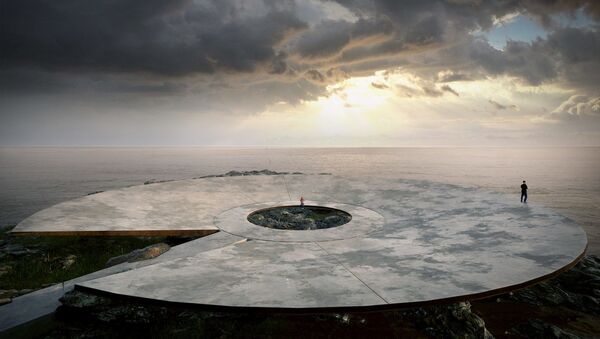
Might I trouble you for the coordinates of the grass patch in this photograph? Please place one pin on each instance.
(53, 260)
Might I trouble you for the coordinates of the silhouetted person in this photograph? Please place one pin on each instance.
(301, 201)
(524, 192)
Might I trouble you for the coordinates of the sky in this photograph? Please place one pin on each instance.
(349, 73)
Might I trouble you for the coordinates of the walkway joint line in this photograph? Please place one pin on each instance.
(347, 269)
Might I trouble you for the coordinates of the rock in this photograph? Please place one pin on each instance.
(116, 316)
(76, 299)
(13, 293)
(105, 310)
(17, 250)
(8, 293)
(245, 173)
(578, 289)
(449, 321)
(333, 220)
(343, 318)
(95, 192)
(145, 253)
(4, 269)
(68, 261)
(535, 328)
(308, 224)
(4, 301)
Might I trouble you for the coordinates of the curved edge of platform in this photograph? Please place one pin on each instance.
(119, 233)
(357, 309)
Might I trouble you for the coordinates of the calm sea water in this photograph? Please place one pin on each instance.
(566, 179)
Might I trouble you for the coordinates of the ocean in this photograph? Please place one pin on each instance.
(565, 179)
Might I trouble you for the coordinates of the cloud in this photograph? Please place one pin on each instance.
(578, 106)
(451, 76)
(167, 38)
(330, 38)
(449, 89)
(183, 38)
(500, 106)
(278, 64)
(325, 39)
(261, 52)
(315, 76)
(432, 92)
(379, 85)
(528, 61)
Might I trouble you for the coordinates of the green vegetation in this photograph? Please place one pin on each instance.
(43, 261)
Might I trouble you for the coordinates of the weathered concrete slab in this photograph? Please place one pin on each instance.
(250, 274)
(409, 242)
(37, 304)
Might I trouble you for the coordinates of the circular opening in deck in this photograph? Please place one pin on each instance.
(299, 218)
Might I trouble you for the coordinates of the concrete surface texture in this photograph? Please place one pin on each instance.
(409, 242)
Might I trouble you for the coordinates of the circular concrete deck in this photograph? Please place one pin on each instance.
(408, 243)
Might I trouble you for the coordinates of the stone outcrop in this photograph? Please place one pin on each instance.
(106, 316)
(16, 250)
(244, 173)
(578, 288)
(145, 253)
(448, 321)
(536, 328)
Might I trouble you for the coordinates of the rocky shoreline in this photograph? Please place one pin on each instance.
(568, 307)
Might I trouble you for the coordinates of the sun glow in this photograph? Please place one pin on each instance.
(351, 107)
(394, 106)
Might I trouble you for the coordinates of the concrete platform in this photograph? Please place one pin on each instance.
(408, 243)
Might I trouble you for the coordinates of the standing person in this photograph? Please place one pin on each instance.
(524, 192)
(301, 201)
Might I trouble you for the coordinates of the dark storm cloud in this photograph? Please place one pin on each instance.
(383, 49)
(543, 9)
(168, 38)
(451, 77)
(569, 55)
(278, 64)
(426, 31)
(46, 45)
(419, 25)
(329, 37)
(315, 76)
(526, 60)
